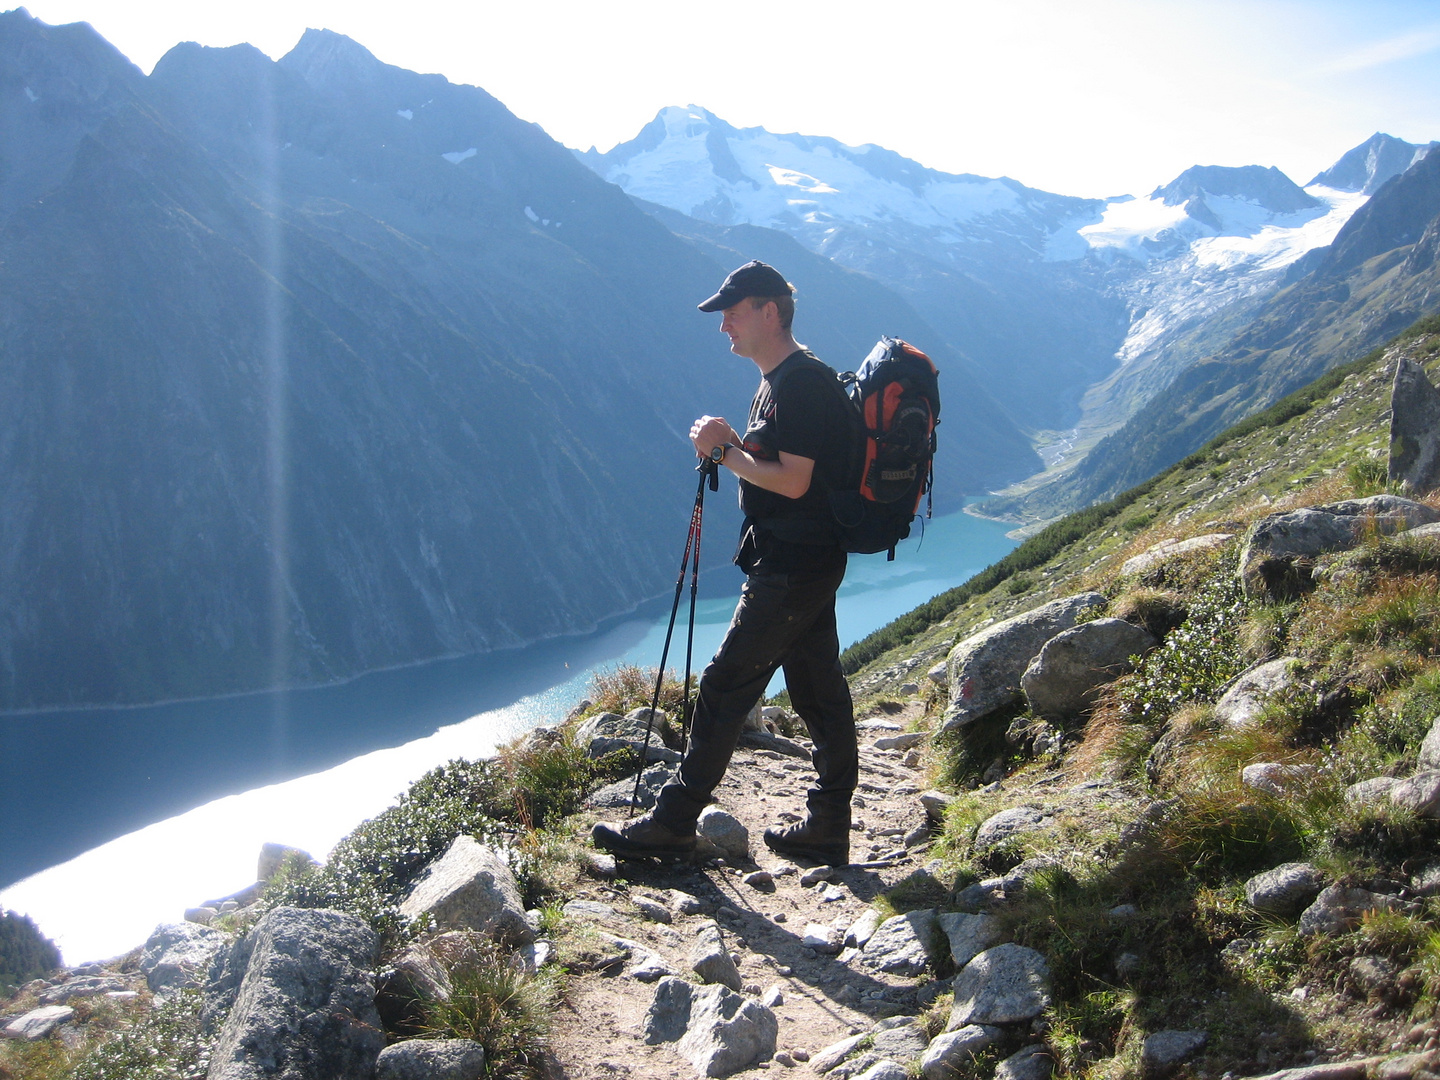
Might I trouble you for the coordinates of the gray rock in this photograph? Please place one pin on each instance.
(725, 832)
(1276, 541)
(86, 986)
(272, 855)
(1164, 1050)
(902, 944)
(1034, 1062)
(863, 929)
(303, 1000)
(594, 909)
(1375, 975)
(1430, 748)
(969, 935)
(951, 1054)
(1274, 777)
(1002, 985)
(650, 967)
(935, 803)
(1414, 429)
(823, 939)
(1375, 790)
(1427, 881)
(1000, 827)
(652, 911)
(621, 794)
(1338, 909)
(985, 668)
(1127, 964)
(711, 960)
(431, 1059)
(1062, 680)
(609, 732)
(904, 741)
(718, 1030)
(1165, 549)
(902, 1041)
(1285, 890)
(758, 879)
(178, 957)
(1420, 794)
(826, 1059)
(204, 916)
(1241, 705)
(418, 973)
(37, 1023)
(884, 1069)
(684, 903)
(471, 887)
(815, 875)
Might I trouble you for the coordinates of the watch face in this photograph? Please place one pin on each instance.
(718, 453)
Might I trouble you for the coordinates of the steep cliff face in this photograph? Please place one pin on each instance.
(320, 366)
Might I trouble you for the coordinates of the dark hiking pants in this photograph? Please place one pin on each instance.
(782, 620)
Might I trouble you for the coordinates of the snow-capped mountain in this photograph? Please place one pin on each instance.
(1075, 312)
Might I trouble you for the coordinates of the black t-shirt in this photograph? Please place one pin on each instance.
(798, 409)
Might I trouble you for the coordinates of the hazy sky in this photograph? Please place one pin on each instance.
(1083, 97)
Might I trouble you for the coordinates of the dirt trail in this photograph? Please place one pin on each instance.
(599, 1027)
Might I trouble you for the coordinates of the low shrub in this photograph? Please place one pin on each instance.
(165, 1045)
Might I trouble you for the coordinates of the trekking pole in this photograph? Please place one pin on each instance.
(708, 472)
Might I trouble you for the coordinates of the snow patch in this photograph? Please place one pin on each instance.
(455, 157)
(405, 114)
(531, 214)
(31, 94)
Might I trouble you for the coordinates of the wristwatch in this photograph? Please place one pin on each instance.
(717, 453)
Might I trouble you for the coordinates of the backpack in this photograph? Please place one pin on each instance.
(895, 395)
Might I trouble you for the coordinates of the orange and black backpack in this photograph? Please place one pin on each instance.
(895, 394)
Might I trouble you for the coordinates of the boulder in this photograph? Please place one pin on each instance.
(1375, 790)
(621, 793)
(1241, 705)
(178, 957)
(1062, 680)
(300, 999)
(608, 732)
(725, 832)
(273, 855)
(431, 1059)
(969, 935)
(862, 929)
(951, 1054)
(1338, 909)
(1276, 541)
(903, 1040)
(1005, 984)
(1008, 823)
(1420, 794)
(1156, 554)
(711, 960)
(902, 943)
(37, 1023)
(1164, 1050)
(85, 986)
(1414, 429)
(1034, 1062)
(1285, 890)
(985, 668)
(718, 1030)
(471, 887)
(1430, 748)
(884, 1069)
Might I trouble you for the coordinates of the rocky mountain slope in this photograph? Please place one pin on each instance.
(1216, 859)
(318, 366)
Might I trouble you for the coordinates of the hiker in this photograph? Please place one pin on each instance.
(796, 448)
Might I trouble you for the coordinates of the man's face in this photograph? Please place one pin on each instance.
(745, 326)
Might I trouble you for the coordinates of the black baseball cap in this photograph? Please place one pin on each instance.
(755, 278)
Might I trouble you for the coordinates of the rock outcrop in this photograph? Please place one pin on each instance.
(1062, 679)
(1414, 429)
(471, 887)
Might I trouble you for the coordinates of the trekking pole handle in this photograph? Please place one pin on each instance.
(709, 468)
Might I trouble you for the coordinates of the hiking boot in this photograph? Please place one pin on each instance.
(809, 840)
(643, 838)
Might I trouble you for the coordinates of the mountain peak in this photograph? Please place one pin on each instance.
(1269, 188)
(1368, 166)
(326, 59)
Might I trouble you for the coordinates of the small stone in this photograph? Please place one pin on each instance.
(588, 908)
(1032, 1063)
(816, 873)
(903, 741)
(951, 1053)
(684, 903)
(1166, 1049)
(1338, 909)
(833, 893)
(885, 1069)
(904, 1040)
(935, 803)
(863, 929)
(1002, 985)
(1000, 827)
(726, 832)
(823, 939)
(1285, 890)
(772, 997)
(431, 1059)
(969, 935)
(710, 960)
(1275, 778)
(1127, 964)
(759, 879)
(650, 967)
(785, 1059)
(601, 865)
(1123, 911)
(826, 1059)
(654, 912)
(901, 944)
(37, 1023)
